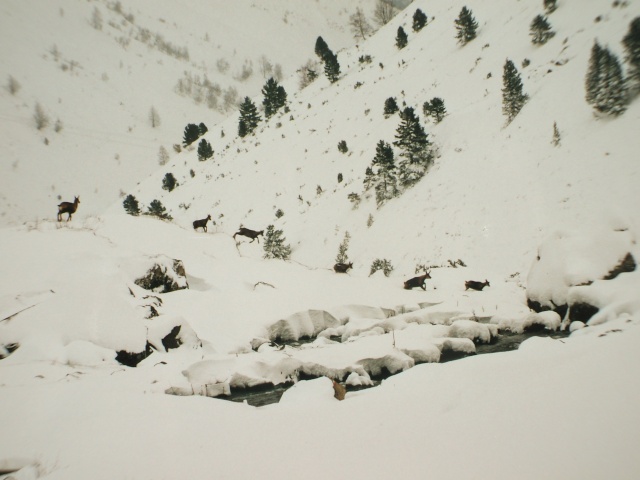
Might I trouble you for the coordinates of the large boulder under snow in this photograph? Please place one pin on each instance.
(165, 275)
(570, 260)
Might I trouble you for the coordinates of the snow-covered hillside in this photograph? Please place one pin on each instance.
(121, 334)
(98, 68)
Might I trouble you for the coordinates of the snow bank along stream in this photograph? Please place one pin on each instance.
(357, 346)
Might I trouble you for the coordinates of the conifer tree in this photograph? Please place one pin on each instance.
(275, 97)
(631, 43)
(369, 178)
(419, 20)
(274, 244)
(202, 129)
(513, 98)
(401, 38)
(158, 210)
(204, 150)
(383, 170)
(343, 257)
(169, 182)
(555, 141)
(435, 109)
(191, 134)
(331, 66)
(131, 205)
(414, 147)
(540, 30)
(466, 26)
(606, 88)
(390, 106)
(249, 118)
(550, 5)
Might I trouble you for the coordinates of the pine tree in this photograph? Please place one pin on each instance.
(383, 170)
(606, 88)
(390, 106)
(274, 97)
(249, 118)
(513, 98)
(466, 26)
(419, 20)
(131, 205)
(342, 146)
(158, 210)
(414, 147)
(435, 109)
(631, 43)
(205, 151)
(274, 246)
(331, 67)
(343, 257)
(401, 38)
(191, 134)
(540, 30)
(555, 141)
(202, 129)
(321, 48)
(550, 5)
(169, 182)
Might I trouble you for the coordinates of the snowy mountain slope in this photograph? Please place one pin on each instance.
(97, 69)
(494, 192)
(70, 304)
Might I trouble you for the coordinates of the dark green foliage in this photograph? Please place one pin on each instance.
(131, 205)
(513, 98)
(202, 129)
(540, 30)
(606, 88)
(204, 150)
(169, 182)
(414, 147)
(381, 264)
(550, 5)
(631, 43)
(383, 173)
(466, 26)
(435, 109)
(390, 106)
(158, 210)
(274, 97)
(401, 38)
(191, 134)
(342, 146)
(321, 48)
(331, 67)
(274, 244)
(339, 177)
(249, 118)
(419, 20)
(555, 141)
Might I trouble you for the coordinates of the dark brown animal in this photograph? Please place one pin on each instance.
(417, 282)
(252, 234)
(342, 267)
(201, 223)
(68, 208)
(476, 285)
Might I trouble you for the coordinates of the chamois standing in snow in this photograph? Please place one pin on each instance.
(476, 285)
(201, 223)
(342, 267)
(417, 282)
(252, 234)
(68, 208)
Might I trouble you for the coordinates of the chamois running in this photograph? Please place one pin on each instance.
(417, 281)
(252, 234)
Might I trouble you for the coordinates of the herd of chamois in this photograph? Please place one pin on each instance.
(420, 281)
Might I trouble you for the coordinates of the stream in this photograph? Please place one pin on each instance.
(506, 341)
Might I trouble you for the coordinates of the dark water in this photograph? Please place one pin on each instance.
(505, 342)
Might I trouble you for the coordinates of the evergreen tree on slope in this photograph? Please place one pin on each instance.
(383, 169)
(249, 117)
(275, 97)
(631, 43)
(606, 88)
(414, 147)
(513, 98)
(466, 26)
(419, 20)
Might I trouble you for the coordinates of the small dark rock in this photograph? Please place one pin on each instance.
(133, 359)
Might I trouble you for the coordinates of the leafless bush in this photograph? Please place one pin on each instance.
(40, 117)
(13, 85)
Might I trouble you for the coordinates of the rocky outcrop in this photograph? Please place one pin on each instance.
(164, 276)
